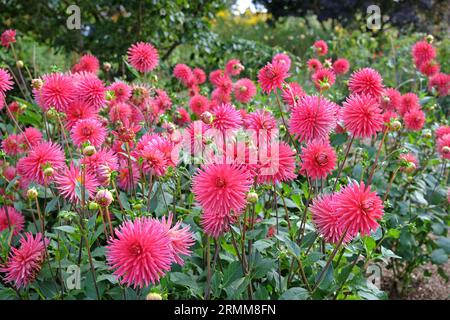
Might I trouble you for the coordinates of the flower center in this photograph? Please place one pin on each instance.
(321, 159)
(366, 205)
(220, 182)
(87, 131)
(136, 249)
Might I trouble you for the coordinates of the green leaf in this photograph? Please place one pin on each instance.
(233, 272)
(296, 293)
(444, 243)
(51, 205)
(439, 256)
(389, 253)
(67, 229)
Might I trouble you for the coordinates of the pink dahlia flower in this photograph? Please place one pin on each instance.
(391, 99)
(422, 52)
(441, 83)
(283, 59)
(233, 67)
(58, 91)
(292, 93)
(312, 118)
(126, 181)
(341, 66)
(272, 76)
(362, 115)
(199, 104)
(88, 130)
(318, 159)
(181, 238)
(70, 182)
(244, 90)
(414, 119)
(314, 64)
(87, 63)
(8, 37)
(408, 102)
(183, 73)
(199, 75)
(358, 209)
(24, 263)
(276, 165)
(141, 253)
(143, 57)
(121, 90)
(429, 68)
(44, 155)
(327, 220)
(443, 146)
(10, 217)
(226, 117)
(90, 89)
(442, 131)
(366, 81)
(321, 47)
(323, 75)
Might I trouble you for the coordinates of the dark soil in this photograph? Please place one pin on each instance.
(422, 287)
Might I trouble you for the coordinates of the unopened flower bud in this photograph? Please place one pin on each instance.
(410, 168)
(137, 206)
(106, 66)
(252, 197)
(395, 125)
(153, 296)
(37, 83)
(427, 134)
(104, 198)
(327, 63)
(386, 99)
(32, 193)
(446, 150)
(52, 113)
(207, 117)
(325, 86)
(89, 151)
(429, 38)
(19, 64)
(48, 172)
(93, 206)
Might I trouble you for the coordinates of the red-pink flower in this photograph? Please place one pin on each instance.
(11, 218)
(291, 93)
(87, 63)
(221, 188)
(422, 52)
(88, 130)
(358, 209)
(408, 102)
(141, 253)
(181, 117)
(31, 137)
(226, 117)
(318, 159)
(199, 104)
(314, 64)
(326, 220)
(180, 238)
(323, 75)
(414, 119)
(199, 75)
(443, 146)
(341, 66)
(25, 262)
(44, 155)
(260, 120)
(442, 131)
(409, 158)
(183, 73)
(312, 118)
(143, 57)
(276, 164)
(122, 91)
(362, 115)
(244, 90)
(441, 83)
(126, 181)
(58, 91)
(233, 67)
(390, 100)
(8, 37)
(101, 164)
(6, 84)
(90, 89)
(120, 112)
(321, 47)
(367, 81)
(11, 145)
(71, 182)
(283, 59)
(272, 76)
(429, 68)
(78, 110)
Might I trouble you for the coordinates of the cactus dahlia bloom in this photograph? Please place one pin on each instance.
(283, 59)
(326, 219)
(276, 166)
(422, 52)
(272, 76)
(443, 146)
(141, 253)
(88, 130)
(244, 90)
(70, 182)
(8, 37)
(312, 118)
(87, 63)
(44, 155)
(408, 102)
(314, 64)
(318, 159)
(441, 83)
(180, 238)
(25, 262)
(9, 216)
(362, 115)
(341, 66)
(323, 75)
(292, 92)
(366, 81)
(414, 119)
(143, 57)
(57, 91)
(321, 47)
(6, 84)
(199, 104)
(358, 209)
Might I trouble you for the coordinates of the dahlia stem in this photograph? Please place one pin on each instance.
(41, 218)
(341, 166)
(369, 180)
(108, 218)
(346, 278)
(130, 168)
(15, 122)
(278, 230)
(391, 181)
(150, 187)
(330, 259)
(208, 268)
(284, 121)
(63, 131)
(117, 196)
(90, 257)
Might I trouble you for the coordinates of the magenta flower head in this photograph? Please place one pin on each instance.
(8, 37)
(143, 57)
(104, 198)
